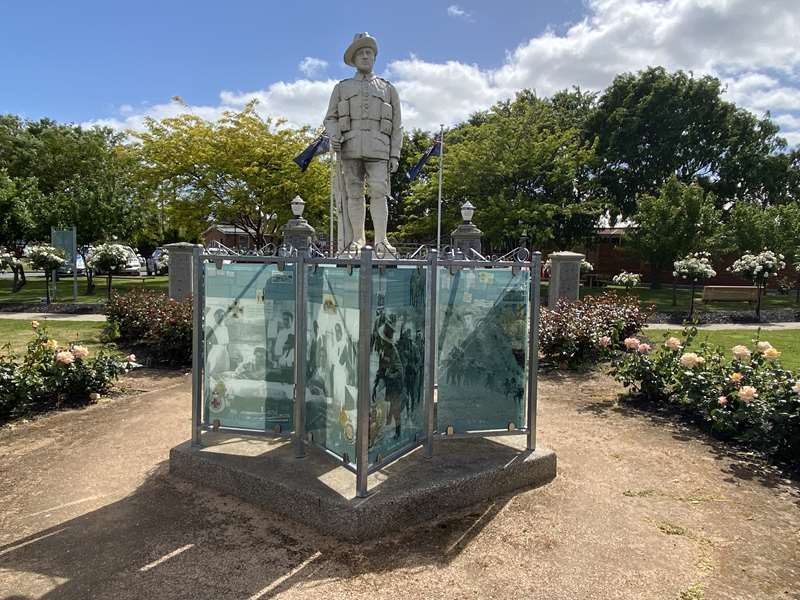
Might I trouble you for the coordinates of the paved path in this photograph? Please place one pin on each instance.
(743, 326)
(641, 509)
(52, 316)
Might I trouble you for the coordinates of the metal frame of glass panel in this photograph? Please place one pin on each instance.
(367, 263)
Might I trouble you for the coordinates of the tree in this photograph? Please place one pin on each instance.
(521, 170)
(109, 259)
(236, 170)
(16, 222)
(46, 258)
(653, 125)
(681, 219)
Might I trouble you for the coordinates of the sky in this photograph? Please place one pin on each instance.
(114, 63)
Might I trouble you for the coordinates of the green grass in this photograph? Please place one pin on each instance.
(16, 333)
(787, 341)
(662, 298)
(34, 290)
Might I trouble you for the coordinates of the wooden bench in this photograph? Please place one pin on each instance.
(730, 293)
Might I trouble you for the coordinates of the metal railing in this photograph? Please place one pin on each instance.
(366, 262)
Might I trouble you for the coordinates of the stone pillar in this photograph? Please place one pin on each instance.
(181, 273)
(298, 234)
(565, 276)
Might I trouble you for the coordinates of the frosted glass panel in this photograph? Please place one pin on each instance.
(332, 358)
(397, 351)
(249, 346)
(482, 346)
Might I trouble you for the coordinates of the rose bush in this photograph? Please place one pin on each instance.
(161, 327)
(50, 376)
(627, 280)
(578, 333)
(743, 394)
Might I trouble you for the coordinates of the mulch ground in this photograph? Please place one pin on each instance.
(643, 507)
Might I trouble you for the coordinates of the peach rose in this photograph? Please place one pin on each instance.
(631, 343)
(673, 343)
(741, 352)
(771, 353)
(80, 351)
(748, 393)
(51, 345)
(65, 357)
(763, 346)
(35, 324)
(604, 341)
(691, 360)
(722, 401)
(736, 377)
(644, 348)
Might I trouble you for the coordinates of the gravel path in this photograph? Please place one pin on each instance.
(641, 509)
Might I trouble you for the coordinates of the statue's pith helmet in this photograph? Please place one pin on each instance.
(360, 40)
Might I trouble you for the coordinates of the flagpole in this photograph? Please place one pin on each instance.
(439, 207)
(330, 222)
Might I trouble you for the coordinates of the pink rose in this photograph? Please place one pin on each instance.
(604, 341)
(748, 393)
(644, 348)
(722, 401)
(80, 351)
(131, 358)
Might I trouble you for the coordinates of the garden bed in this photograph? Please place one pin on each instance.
(783, 315)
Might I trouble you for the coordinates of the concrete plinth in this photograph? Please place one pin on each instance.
(316, 491)
(565, 277)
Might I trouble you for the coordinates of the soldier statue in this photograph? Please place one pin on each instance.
(363, 123)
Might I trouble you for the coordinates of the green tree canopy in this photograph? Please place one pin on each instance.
(236, 170)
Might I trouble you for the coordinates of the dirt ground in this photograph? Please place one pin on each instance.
(641, 508)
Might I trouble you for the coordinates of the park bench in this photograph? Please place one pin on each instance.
(730, 293)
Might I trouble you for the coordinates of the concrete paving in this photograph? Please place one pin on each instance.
(39, 316)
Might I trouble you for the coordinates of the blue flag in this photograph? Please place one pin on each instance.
(414, 171)
(319, 146)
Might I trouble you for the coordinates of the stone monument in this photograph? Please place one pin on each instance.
(181, 271)
(364, 125)
(565, 276)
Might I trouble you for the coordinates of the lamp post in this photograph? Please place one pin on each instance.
(297, 233)
(467, 236)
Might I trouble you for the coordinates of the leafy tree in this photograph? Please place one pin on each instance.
(750, 228)
(109, 259)
(680, 219)
(521, 170)
(235, 170)
(16, 222)
(653, 125)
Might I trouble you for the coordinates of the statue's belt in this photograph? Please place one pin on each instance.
(364, 125)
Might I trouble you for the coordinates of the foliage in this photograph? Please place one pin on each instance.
(237, 169)
(45, 257)
(52, 376)
(522, 171)
(109, 258)
(749, 226)
(682, 218)
(695, 267)
(162, 327)
(627, 280)
(579, 333)
(745, 395)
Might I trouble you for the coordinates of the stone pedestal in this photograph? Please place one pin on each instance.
(180, 269)
(565, 276)
(298, 234)
(465, 237)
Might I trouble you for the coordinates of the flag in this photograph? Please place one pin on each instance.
(319, 146)
(414, 171)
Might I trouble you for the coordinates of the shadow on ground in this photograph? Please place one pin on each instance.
(227, 548)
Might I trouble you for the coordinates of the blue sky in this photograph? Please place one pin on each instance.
(114, 63)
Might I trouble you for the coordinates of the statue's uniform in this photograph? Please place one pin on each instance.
(364, 112)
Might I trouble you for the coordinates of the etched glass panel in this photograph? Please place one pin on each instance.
(332, 358)
(249, 346)
(482, 349)
(397, 351)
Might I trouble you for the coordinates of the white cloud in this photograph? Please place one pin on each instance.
(310, 66)
(754, 47)
(454, 10)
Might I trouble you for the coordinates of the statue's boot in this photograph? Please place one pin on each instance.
(380, 217)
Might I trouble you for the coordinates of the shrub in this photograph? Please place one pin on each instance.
(52, 376)
(161, 327)
(581, 332)
(744, 395)
(628, 280)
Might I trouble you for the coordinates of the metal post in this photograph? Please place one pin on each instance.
(198, 302)
(364, 330)
(75, 264)
(439, 205)
(533, 347)
(299, 356)
(430, 350)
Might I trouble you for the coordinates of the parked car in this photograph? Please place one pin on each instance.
(66, 269)
(132, 267)
(158, 263)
